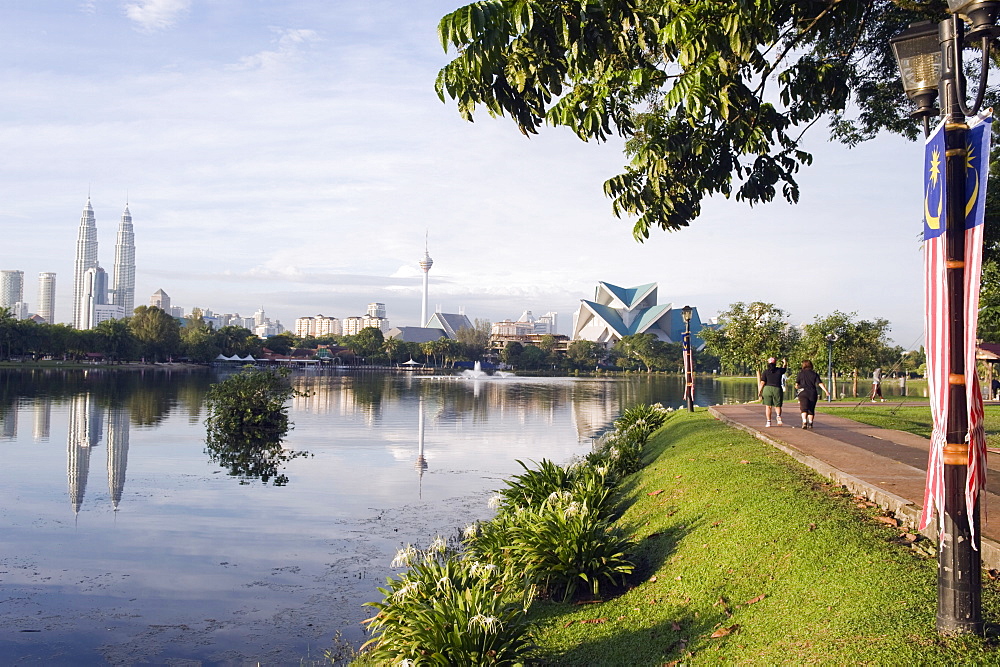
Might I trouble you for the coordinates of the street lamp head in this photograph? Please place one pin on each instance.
(918, 53)
(832, 338)
(981, 15)
(686, 313)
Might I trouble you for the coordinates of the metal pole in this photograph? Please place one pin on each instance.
(689, 374)
(959, 559)
(829, 371)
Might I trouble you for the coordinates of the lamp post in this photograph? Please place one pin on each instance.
(931, 64)
(686, 313)
(830, 340)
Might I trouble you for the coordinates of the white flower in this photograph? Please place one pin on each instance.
(556, 496)
(439, 545)
(406, 591)
(443, 584)
(573, 509)
(487, 623)
(496, 500)
(405, 662)
(404, 557)
(470, 531)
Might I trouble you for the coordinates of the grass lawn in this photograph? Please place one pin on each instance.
(745, 556)
(910, 419)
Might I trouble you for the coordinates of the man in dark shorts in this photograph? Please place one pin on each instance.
(769, 389)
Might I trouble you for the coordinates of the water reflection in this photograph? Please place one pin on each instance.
(172, 541)
(85, 431)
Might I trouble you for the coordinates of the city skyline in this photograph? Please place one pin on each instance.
(316, 196)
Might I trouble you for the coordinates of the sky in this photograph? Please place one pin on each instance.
(294, 156)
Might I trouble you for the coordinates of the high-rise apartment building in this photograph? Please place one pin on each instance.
(161, 300)
(380, 323)
(86, 258)
(124, 280)
(317, 326)
(47, 297)
(376, 310)
(11, 288)
(352, 325)
(95, 293)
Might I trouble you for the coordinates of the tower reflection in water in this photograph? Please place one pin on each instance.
(421, 463)
(86, 427)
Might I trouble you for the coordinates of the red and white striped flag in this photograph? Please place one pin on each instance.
(937, 311)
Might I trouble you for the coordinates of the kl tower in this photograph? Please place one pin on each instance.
(425, 264)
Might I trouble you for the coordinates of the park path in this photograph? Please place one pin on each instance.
(888, 467)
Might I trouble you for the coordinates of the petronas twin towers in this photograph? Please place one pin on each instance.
(91, 293)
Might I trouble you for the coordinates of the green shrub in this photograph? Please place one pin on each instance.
(247, 419)
(566, 544)
(642, 420)
(446, 610)
(534, 485)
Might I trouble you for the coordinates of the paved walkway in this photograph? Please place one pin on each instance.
(886, 466)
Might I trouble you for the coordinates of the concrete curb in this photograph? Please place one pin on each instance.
(905, 510)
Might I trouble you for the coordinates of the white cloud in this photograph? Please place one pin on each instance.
(290, 43)
(152, 15)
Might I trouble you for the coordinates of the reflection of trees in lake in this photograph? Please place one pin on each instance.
(151, 395)
(247, 419)
(250, 457)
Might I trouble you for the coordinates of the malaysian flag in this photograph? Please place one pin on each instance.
(937, 313)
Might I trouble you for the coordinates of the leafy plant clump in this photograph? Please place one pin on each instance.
(246, 422)
(552, 535)
(250, 403)
(447, 610)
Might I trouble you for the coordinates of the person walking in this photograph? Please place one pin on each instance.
(877, 385)
(808, 383)
(769, 389)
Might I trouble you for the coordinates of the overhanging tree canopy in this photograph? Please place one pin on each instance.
(712, 97)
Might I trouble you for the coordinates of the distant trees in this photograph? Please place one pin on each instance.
(158, 333)
(116, 340)
(748, 334)
(584, 354)
(475, 341)
(861, 345)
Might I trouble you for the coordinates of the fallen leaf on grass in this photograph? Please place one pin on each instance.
(888, 520)
(812, 527)
(755, 600)
(652, 535)
(569, 624)
(910, 537)
(722, 632)
(594, 620)
(744, 462)
(652, 579)
(655, 493)
(717, 523)
(992, 574)
(588, 601)
(675, 626)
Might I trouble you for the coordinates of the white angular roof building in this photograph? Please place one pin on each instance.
(616, 312)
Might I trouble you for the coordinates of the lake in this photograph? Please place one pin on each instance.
(122, 542)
